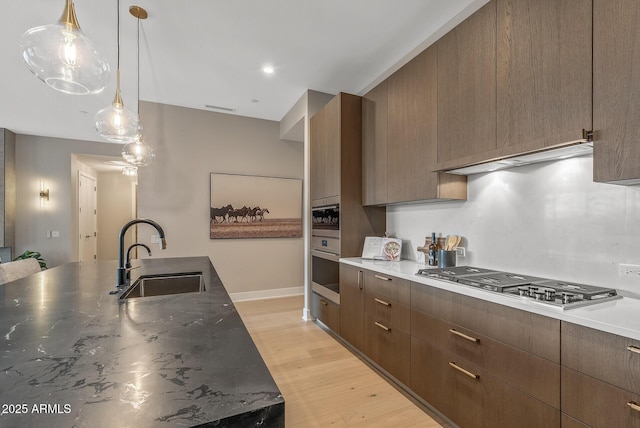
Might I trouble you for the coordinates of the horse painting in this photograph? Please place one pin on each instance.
(238, 209)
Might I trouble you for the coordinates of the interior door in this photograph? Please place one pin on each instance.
(87, 202)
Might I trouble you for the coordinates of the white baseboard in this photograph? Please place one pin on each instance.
(266, 294)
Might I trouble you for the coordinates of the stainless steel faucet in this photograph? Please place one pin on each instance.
(122, 272)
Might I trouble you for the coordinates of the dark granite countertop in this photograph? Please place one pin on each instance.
(71, 355)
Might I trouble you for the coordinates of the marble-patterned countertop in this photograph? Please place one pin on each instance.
(620, 316)
(72, 355)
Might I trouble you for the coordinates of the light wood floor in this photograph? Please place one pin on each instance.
(322, 382)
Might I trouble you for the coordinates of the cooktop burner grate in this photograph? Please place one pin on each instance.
(555, 293)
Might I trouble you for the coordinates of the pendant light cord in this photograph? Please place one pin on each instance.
(118, 36)
(138, 54)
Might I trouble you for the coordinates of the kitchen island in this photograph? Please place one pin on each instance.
(71, 354)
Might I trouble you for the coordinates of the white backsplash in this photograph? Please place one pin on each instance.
(548, 219)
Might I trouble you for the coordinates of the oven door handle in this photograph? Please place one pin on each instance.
(325, 207)
(325, 255)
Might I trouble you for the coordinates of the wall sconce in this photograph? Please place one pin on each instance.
(44, 194)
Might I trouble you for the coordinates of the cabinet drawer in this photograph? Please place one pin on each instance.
(532, 374)
(605, 356)
(387, 311)
(469, 396)
(389, 287)
(530, 332)
(326, 311)
(389, 347)
(596, 403)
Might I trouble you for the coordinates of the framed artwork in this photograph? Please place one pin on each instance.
(249, 206)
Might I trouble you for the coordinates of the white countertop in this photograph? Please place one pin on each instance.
(620, 316)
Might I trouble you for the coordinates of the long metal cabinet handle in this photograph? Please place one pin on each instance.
(635, 406)
(382, 326)
(323, 302)
(382, 302)
(384, 278)
(633, 349)
(360, 275)
(461, 370)
(464, 336)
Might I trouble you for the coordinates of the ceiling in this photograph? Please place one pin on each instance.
(211, 52)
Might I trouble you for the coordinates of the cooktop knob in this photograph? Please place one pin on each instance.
(549, 294)
(568, 297)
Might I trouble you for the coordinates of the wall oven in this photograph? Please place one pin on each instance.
(325, 249)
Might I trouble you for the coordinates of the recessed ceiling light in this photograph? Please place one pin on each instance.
(267, 69)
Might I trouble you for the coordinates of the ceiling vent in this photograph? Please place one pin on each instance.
(225, 109)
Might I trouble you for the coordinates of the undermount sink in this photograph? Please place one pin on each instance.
(164, 284)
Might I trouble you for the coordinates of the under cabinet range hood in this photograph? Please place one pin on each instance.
(571, 149)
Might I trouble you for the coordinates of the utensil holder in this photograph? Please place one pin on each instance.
(446, 258)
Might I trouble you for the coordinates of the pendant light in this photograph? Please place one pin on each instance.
(63, 57)
(115, 123)
(130, 171)
(138, 152)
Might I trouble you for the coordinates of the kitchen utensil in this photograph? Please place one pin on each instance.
(451, 242)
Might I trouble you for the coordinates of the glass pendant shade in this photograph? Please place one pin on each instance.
(63, 57)
(138, 153)
(117, 124)
(130, 171)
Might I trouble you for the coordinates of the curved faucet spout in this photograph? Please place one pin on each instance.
(122, 271)
(131, 247)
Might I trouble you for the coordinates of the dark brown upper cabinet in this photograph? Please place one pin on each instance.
(616, 91)
(400, 138)
(515, 77)
(325, 132)
(544, 73)
(374, 146)
(466, 105)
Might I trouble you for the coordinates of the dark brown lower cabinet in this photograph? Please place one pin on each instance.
(389, 347)
(326, 311)
(597, 403)
(352, 305)
(533, 375)
(471, 397)
(387, 328)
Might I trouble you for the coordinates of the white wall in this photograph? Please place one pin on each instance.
(50, 160)
(174, 191)
(548, 219)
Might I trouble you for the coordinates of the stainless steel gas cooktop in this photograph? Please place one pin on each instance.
(560, 294)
